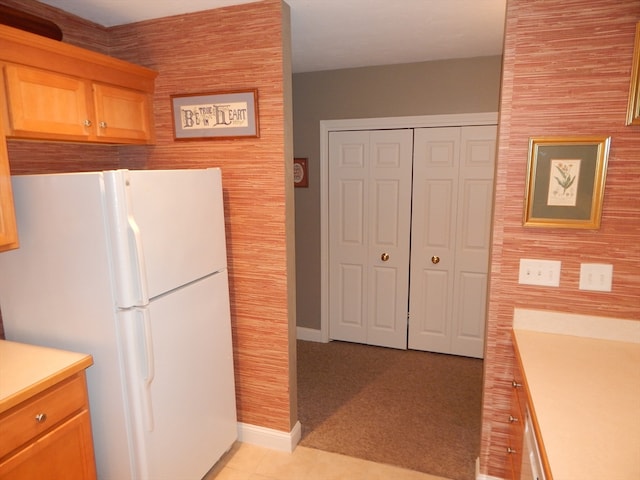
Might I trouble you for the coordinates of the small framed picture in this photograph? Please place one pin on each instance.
(300, 172)
(215, 115)
(565, 182)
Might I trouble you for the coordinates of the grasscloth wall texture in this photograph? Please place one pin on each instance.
(223, 49)
(566, 72)
(567, 66)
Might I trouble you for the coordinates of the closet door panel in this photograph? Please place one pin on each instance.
(348, 235)
(369, 222)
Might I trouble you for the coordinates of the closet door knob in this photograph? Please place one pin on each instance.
(384, 257)
(435, 260)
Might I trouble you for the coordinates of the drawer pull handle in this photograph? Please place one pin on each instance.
(512, 419)
(41, 417)
(515, 384)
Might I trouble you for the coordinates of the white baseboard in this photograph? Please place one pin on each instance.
(482, 476)
(309, 334)
(269, 438)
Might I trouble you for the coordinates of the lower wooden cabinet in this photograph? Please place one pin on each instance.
(48, 436)
(516, 424)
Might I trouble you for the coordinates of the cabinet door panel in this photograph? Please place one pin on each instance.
(122, 113)
(8, 229)
(43, 102)
(65, 453)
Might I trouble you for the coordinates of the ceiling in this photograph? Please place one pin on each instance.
(335, 34)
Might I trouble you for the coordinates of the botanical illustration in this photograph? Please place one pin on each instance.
(563, 182)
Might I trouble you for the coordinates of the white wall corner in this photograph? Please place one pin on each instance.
(482, 476)
(269, 438)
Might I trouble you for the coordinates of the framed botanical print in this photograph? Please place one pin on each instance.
(565, 182)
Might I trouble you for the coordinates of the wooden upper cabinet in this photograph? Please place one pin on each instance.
(8, 228)
(56, 91)
(48, 105)
(42, 103)
(122, 115)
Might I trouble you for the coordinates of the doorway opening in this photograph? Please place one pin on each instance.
(311, 340)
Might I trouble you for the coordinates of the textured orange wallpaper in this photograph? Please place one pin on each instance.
(229, 48)
(566, 72)
(567, 66)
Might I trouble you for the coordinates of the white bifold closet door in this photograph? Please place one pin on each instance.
(370, 216)
(450, 237)
(409, 233)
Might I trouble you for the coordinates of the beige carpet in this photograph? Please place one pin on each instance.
(416, 410)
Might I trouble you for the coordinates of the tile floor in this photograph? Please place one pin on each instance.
(250, 462)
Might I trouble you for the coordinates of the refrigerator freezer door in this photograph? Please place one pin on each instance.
(180, 380)
(167, 229)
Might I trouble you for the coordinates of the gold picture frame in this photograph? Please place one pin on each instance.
(633, 108)
(565, 182)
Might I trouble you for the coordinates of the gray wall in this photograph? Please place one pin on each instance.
(430, 88)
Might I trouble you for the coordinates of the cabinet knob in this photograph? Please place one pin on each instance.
(513, 419)
(103, 124)
(515, 384)
(87, 123)
(41, 418)
(511, 450)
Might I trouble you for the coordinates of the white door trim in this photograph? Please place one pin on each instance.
(326, 126)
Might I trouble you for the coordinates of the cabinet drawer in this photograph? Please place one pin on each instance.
(20, 424)
(64, 453)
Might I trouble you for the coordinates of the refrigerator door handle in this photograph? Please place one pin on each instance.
(149, 371)
(135, 241)
(130, 285)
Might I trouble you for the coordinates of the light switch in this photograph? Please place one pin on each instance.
(545, 273)
(596, 276)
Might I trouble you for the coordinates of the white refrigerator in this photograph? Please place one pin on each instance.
(131, 267)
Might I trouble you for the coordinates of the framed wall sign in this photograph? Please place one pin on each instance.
(565, 181)
(215, 115)
(300, 172)
(633, 108)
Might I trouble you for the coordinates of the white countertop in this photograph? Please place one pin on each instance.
(585, 395)
(26, 370)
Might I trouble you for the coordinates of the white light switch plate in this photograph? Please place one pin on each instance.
(545, 273)
(596, 276)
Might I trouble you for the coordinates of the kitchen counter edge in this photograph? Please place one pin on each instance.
(26, 370)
